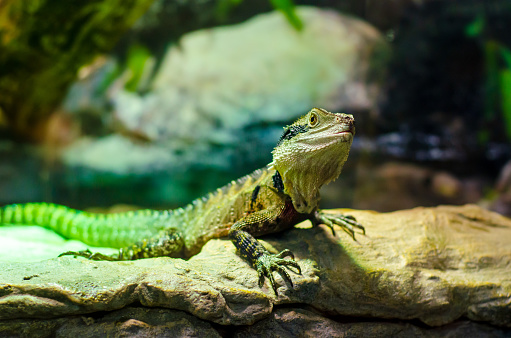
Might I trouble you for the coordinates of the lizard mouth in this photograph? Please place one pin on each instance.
(351, 131)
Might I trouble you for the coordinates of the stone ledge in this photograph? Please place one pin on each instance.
(436, 265)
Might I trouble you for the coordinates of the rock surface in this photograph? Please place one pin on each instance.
(126, 322)
(436, 265)
(294, 322)
(283, 322)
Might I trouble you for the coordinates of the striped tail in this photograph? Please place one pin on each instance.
(104, 230)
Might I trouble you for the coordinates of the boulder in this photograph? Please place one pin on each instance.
(434, 265)
(283, 322)
(260, 71)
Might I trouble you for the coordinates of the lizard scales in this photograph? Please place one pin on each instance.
(310, 153)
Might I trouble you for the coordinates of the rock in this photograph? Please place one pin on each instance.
(260, 71)
(116, 168)
(294, 322)
(411, 185)
(435, 265)
(33, 244)
(126, 322)
(502, 202)
(445, 184)
(108, 154)
(283, 322)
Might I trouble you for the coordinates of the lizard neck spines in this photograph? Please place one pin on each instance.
(277, 181)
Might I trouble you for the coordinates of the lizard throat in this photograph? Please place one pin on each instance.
(304, 172)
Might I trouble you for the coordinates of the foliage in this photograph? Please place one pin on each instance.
(43, 45)
(505, 85)
(136, 63)
(287, 7)
(497, 62)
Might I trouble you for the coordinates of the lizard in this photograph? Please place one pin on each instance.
(310, 153)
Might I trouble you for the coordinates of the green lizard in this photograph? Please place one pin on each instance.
(310, 153)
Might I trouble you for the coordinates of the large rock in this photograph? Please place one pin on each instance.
(128, 322)
(283, 322)
(259, 71)
(296, 322)
(435, 265)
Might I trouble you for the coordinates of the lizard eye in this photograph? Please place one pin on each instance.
(313, 119)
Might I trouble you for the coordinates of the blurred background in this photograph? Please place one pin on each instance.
(152, 103)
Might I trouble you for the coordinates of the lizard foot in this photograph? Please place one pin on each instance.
(267, 263)
(348, 223)
(96, 256)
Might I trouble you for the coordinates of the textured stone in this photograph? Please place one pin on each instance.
(283, 322)
(432, 264)
(294, 322)
(126, 322)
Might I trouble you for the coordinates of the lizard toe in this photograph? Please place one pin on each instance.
(285, 253)
(89, 255)
(267, 263)
(347, 223)
(84, 253)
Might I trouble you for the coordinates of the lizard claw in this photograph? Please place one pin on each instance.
(267, 263)
(89, 255)
(348, 223)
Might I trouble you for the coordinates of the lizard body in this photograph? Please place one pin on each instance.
(310, 153)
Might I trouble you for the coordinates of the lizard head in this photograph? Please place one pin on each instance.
(310, 153)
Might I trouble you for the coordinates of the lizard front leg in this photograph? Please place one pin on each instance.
(167, 243)
(347, 223)
(250, 248)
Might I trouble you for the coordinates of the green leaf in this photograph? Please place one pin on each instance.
(475, 28)
(111, 75)
(491, 83)
(287, 7)
(136, 63)
(505, 95)
(506, 55)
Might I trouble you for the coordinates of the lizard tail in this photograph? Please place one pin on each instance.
(105, 230)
